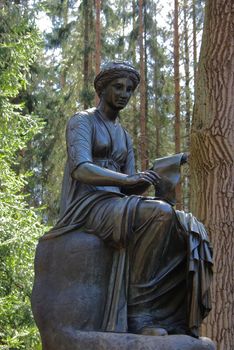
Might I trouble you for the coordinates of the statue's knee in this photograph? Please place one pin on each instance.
(151, 209)
(166, 211)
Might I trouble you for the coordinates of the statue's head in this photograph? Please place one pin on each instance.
(114, 70)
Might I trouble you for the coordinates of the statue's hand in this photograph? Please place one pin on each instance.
(144, 178)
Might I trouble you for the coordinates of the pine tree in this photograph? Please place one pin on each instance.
(20, 224)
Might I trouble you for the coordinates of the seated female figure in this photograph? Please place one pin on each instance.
(161, 256)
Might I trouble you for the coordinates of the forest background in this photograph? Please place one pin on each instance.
(50, 51)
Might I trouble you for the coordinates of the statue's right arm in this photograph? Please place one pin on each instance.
(93, 174)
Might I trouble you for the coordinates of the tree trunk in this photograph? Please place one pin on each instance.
(144, 160)
(194, 42)
(97, 42)
(86, 68)
(155, 88)
(91, 53)
(134, 100)
(146, 60)
(177, 94)
(156, 119)
(212, 142)
(187, 76)
(186, 186)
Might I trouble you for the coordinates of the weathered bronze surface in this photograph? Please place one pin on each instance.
(118, 261)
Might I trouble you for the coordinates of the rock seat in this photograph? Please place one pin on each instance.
(70, 288)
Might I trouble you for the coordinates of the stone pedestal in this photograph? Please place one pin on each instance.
(80, 340)
(70, 288)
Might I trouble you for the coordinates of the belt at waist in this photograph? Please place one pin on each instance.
(107, 163)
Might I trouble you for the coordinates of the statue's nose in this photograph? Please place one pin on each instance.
(124, 94)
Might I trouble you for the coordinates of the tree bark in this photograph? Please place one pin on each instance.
(177, 94)
(97, 42)
(212, 142)
(187, 76)
(143, 142)
(146, 59)
(155, 87)
(186, 180)
(134, 99)
(194, 42)
(86, 64)
(156, 118)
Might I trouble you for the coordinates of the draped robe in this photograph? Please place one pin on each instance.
(162, 261)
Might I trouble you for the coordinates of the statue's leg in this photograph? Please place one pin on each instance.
(158, 265)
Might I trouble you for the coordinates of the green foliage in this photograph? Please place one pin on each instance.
(20, 224)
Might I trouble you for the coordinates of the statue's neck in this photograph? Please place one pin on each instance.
(107, 112)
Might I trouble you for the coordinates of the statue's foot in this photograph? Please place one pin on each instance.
(153, 331)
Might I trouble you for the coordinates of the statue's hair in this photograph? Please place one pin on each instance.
(114, 70)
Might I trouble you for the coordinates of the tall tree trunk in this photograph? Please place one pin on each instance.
(146, 59)
(91, 53)
(134, 100)
(212, 142)
(177, 93)
(86, 68)
(144, 160)
(194, 42)
(155, 87)
(187, 76)
(186, 198)
(156, 116)
(97, 42)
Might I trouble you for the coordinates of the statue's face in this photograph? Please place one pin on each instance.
(118, 93)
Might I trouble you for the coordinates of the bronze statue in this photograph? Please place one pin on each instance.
(116, 260)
